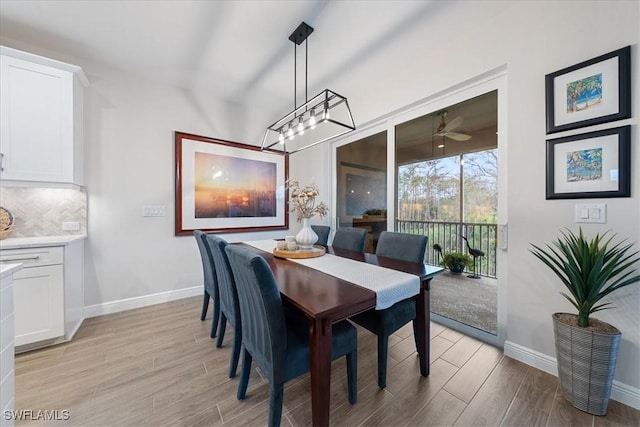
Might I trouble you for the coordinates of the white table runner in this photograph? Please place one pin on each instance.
(389, 285)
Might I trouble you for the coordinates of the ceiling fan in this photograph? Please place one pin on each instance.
(445, 129)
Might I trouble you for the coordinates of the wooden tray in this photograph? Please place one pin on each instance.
(316, 251)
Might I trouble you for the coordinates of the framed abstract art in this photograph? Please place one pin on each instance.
(590, 165)
(589, 93)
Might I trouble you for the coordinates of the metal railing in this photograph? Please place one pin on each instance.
(448, 236)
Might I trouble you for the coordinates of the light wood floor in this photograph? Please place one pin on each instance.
(157, 366)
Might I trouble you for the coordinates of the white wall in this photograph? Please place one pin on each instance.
(129, 151)
(532, 39)
(129, 164)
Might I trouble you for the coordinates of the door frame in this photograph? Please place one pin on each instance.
(492, 80)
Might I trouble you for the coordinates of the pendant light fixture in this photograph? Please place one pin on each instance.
(321, 118)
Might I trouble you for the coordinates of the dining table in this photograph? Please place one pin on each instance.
(326, 299)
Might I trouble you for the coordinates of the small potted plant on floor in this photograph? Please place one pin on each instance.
(456, 262)
(586, 348)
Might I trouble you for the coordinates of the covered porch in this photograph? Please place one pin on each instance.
(472, 302)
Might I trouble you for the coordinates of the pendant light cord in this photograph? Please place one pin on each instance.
(295, 74)
(306, 69)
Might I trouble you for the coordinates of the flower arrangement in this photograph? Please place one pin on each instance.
(302, 200)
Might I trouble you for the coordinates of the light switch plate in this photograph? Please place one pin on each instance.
(153, 211)
(594, 213)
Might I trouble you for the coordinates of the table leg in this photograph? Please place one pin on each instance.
(320, 355)
(423, 327)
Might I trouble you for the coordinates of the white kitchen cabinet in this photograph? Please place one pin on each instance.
(41, 115)
(48, 293)
(7, 364)
(40, 294)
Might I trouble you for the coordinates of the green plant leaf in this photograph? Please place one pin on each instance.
(589, 269)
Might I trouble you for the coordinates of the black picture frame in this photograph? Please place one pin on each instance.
(575, 172)
(611, 72)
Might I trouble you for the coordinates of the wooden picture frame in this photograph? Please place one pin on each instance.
(590, 165)
(589, 93)
(227, 187)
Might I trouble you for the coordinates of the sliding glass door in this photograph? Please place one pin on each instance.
(433, 169)
(447, 190)
(361, 168)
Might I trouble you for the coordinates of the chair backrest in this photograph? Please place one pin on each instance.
(263, 324)
(401, 246)
(351, 238)
(226, 282)
(210, 279)
(323, 233)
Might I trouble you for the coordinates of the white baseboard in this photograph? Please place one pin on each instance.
(620, 392)
(143, 301)
(533, 358)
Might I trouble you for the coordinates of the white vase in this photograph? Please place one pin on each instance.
(306, 237)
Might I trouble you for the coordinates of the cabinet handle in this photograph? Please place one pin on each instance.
(1, 161)
(30, 258)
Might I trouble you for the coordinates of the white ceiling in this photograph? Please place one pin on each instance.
(237, 50)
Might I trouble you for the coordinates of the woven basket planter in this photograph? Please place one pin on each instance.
(586, 364)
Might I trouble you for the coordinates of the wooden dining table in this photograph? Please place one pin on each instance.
(326, 299)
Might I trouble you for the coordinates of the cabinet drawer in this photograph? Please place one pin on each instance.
(34, 257)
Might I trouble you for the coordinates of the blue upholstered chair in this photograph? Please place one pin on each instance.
(383, 323)
(351, 238)
(210, 282)
(229, 306)
(323, 233)
(279, 345)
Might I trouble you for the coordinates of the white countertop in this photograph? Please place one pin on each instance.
(7, 269)
(38, 242)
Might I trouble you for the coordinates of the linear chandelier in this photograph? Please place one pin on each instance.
(321, 118)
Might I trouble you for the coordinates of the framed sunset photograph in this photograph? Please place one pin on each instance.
(224, 186)
(590, 165)
(592, 92)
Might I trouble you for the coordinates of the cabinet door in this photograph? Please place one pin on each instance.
(37, 122)
(38, 296)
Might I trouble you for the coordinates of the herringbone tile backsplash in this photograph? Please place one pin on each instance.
(41, 211)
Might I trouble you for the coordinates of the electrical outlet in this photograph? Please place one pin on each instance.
(70, 225)
(153, 211)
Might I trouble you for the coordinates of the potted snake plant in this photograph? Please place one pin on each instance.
(586, 348)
